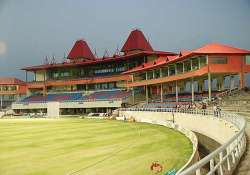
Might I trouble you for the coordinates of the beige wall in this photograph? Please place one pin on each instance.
(40, 75)
(217, 129)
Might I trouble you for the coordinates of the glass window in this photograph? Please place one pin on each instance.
(150, 75)
(157, 73)
(219, 60)
(248, 59)
(164, 71)
(195, 63)
(187, 66)
(179, 67)
(203, 61)
(172, 70)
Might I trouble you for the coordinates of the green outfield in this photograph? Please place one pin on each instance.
(88, 147)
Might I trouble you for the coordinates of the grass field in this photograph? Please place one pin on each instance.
(88, 147)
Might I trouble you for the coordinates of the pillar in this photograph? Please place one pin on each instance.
(161, 92)
(220, 83)
(242, 80)
(200, 85)
(209, 86)
(231, 82)
(1, 96)
(44, 81)
(192, 88)
(26, 76)
(176, 91)
(35, 75)
(146, 90)
(133, 96)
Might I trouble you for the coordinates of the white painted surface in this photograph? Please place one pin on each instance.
(53, 109)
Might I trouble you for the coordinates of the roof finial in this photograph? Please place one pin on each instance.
(96, 53)
(46, 60)
(106, 53)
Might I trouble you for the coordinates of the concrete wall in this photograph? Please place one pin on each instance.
(53, 109)
(217, 129)
(94, 104)
(29, 105)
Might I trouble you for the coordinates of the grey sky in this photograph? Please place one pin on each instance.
(32, 29)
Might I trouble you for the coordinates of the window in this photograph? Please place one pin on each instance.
(171, 69)
(203, 61)
(157, 73)
(195, 63)
(187, 66)
(179, 67)
(219, 60)
(248, 59)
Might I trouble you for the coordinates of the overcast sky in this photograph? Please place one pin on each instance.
(33, 29)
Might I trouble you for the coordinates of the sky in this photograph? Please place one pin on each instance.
(30, 30)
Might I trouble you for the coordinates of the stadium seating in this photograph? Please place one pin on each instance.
(108, 95)
(184, 97)
(165, 104)
(77, 96)
(53, 97)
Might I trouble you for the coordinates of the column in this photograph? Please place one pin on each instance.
(242, 74)
(192, 88)
(242, 80)
(220, 83)
(161, 92)
(1, 101)
(133, 95)
(199, 63)
(191, 64)
(35, 75)
(44, 81)
(160, 72)
(231, 82)
(176, 91)
(209, 86)
(146, 90)
(26, 76)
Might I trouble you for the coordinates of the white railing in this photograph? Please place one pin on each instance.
(224, 158)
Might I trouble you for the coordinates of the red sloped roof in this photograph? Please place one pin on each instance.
(10, 81)
(152, 64)
(81, 50)
(214, 48)
(100, 60)
(211, 48)
(184, 52)
(136, 41)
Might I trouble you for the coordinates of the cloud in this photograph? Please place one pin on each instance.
(3, 48)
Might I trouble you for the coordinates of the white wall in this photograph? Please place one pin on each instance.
(217, 129)
(53, 109)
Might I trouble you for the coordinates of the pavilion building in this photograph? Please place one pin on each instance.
(203, 70)
(11, 90)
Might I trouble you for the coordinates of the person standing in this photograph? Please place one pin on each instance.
(215, 110)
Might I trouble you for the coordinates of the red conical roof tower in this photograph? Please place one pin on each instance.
(136, 41)
(81, 50)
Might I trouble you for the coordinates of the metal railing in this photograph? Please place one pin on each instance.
(224, 158)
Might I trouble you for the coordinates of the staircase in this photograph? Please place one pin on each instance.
(240, 103)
